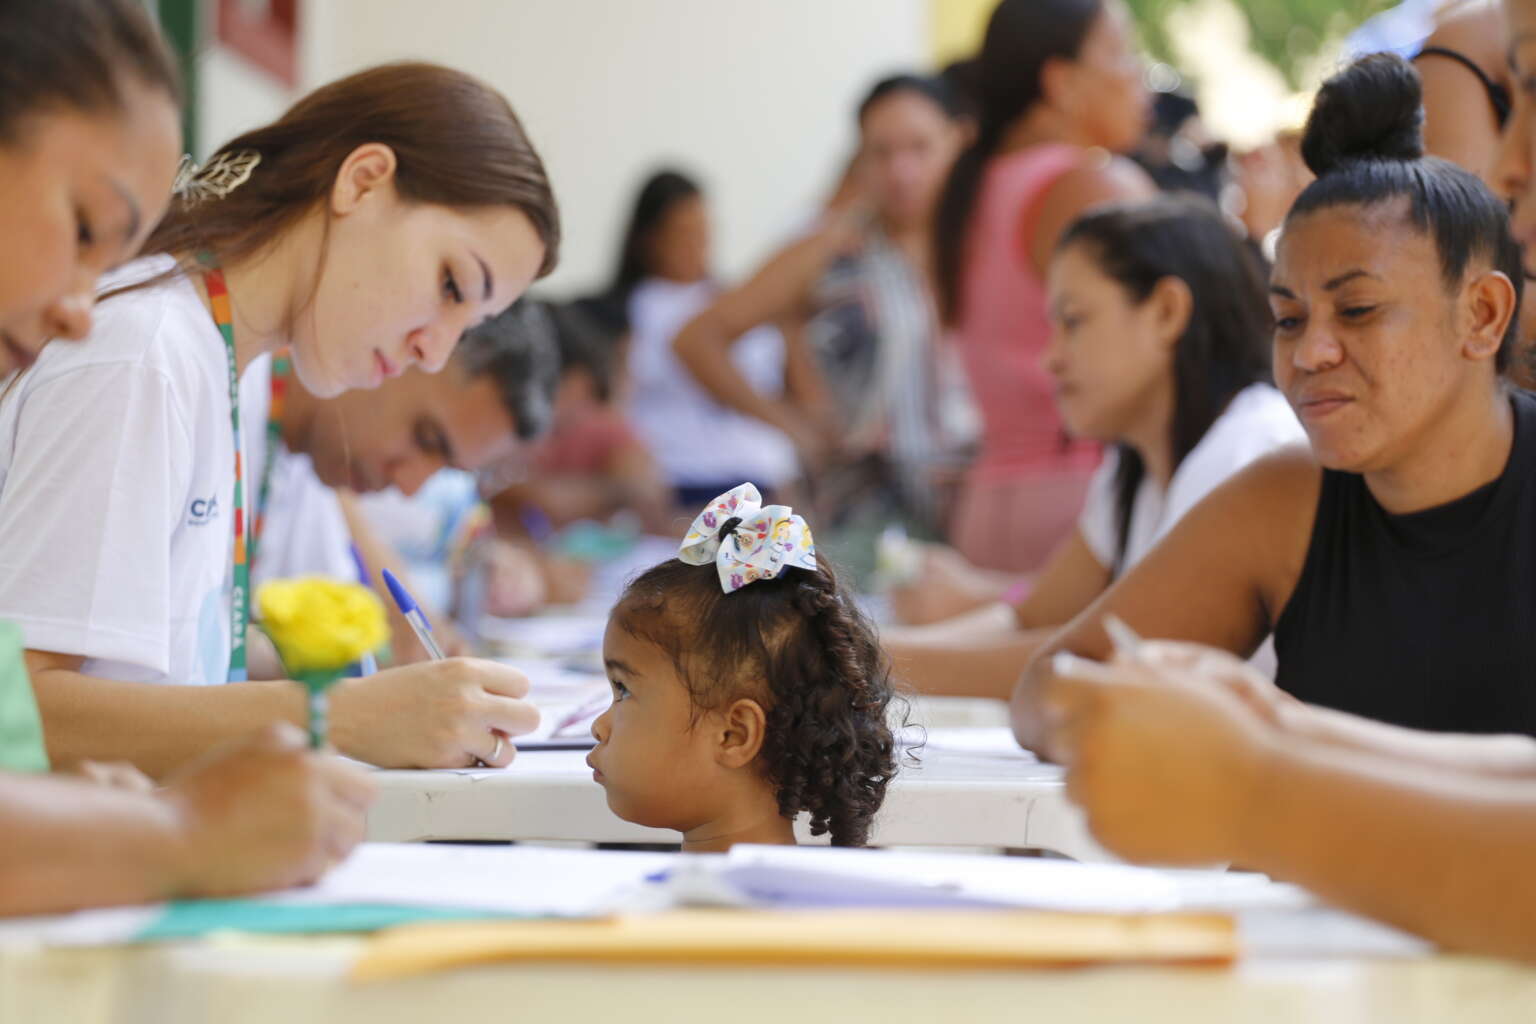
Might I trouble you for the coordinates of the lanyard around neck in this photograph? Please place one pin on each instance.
(240, 598)
(282, 368)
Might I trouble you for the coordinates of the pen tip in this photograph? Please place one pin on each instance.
(399, 593)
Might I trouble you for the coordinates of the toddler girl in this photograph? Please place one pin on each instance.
(747, 687)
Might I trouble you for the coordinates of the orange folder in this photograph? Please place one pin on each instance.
(862, 938)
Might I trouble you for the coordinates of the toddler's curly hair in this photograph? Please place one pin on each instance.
(801, 647)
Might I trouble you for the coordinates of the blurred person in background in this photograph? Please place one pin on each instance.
(1060, 91)
(494, 396)
(1178, 151)
(1270, 176)
(425, 451)
(961, 78)
(703, 446)
(880, 411)
(1468, 97)
(1465, 67)
(591, 465)
(590, 483)
(1160, 345)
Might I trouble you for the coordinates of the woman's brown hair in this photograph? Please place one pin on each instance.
(456, 141)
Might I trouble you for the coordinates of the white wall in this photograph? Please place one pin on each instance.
(233, 96)
(754, 96)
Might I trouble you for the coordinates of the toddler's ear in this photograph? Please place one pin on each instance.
(740, 735)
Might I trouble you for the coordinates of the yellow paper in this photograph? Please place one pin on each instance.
(933, 939)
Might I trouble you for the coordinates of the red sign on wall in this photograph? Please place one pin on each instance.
(264, 32)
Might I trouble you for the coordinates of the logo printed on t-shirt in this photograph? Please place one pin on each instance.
(202, 511)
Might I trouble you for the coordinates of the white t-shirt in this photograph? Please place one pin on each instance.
(304, 532)
(1256, 422)
(423, 528)
(695, 439)
(117, 490)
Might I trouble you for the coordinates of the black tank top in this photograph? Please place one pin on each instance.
(1426, 620)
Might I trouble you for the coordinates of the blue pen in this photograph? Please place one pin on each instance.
(413, 615)
(368, 664)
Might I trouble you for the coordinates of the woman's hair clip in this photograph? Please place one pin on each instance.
(223, 174)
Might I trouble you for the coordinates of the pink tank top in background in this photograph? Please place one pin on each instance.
(1004, 326)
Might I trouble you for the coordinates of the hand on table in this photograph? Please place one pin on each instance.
(435, 714)
(1237, 676)
(946, 585)
(566, 580)
(522, 579)
(515, 583)
(1167, 759)
(264, 814)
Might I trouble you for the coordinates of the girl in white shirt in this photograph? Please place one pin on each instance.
(365, 230)
(663, 282)
(1160, 345)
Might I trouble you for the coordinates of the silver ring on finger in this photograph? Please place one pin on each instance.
(496, 752)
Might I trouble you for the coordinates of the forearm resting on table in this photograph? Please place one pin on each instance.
(157, 728)
(1445, 855)
(71, 844)
(979, 654)
(1503, 756)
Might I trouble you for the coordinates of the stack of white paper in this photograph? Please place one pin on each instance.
(809, 876)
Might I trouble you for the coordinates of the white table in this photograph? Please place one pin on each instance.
(955, 712)
(1344, 976)
(557, 688)
(972, 787)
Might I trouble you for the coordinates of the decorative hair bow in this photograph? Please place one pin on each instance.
(224, 173)
(761, 543)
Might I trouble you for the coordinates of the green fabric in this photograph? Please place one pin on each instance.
(21, 727)
(190, 919)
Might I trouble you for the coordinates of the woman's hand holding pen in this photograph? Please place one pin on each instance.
(407, 650)
(263, 813)
(435, 714)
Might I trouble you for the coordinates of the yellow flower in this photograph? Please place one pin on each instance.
(320, 625)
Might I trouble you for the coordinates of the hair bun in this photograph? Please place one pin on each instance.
(1372, 110)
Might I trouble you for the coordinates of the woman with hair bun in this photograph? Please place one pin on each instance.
(1399, 572)
(1396, 565)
